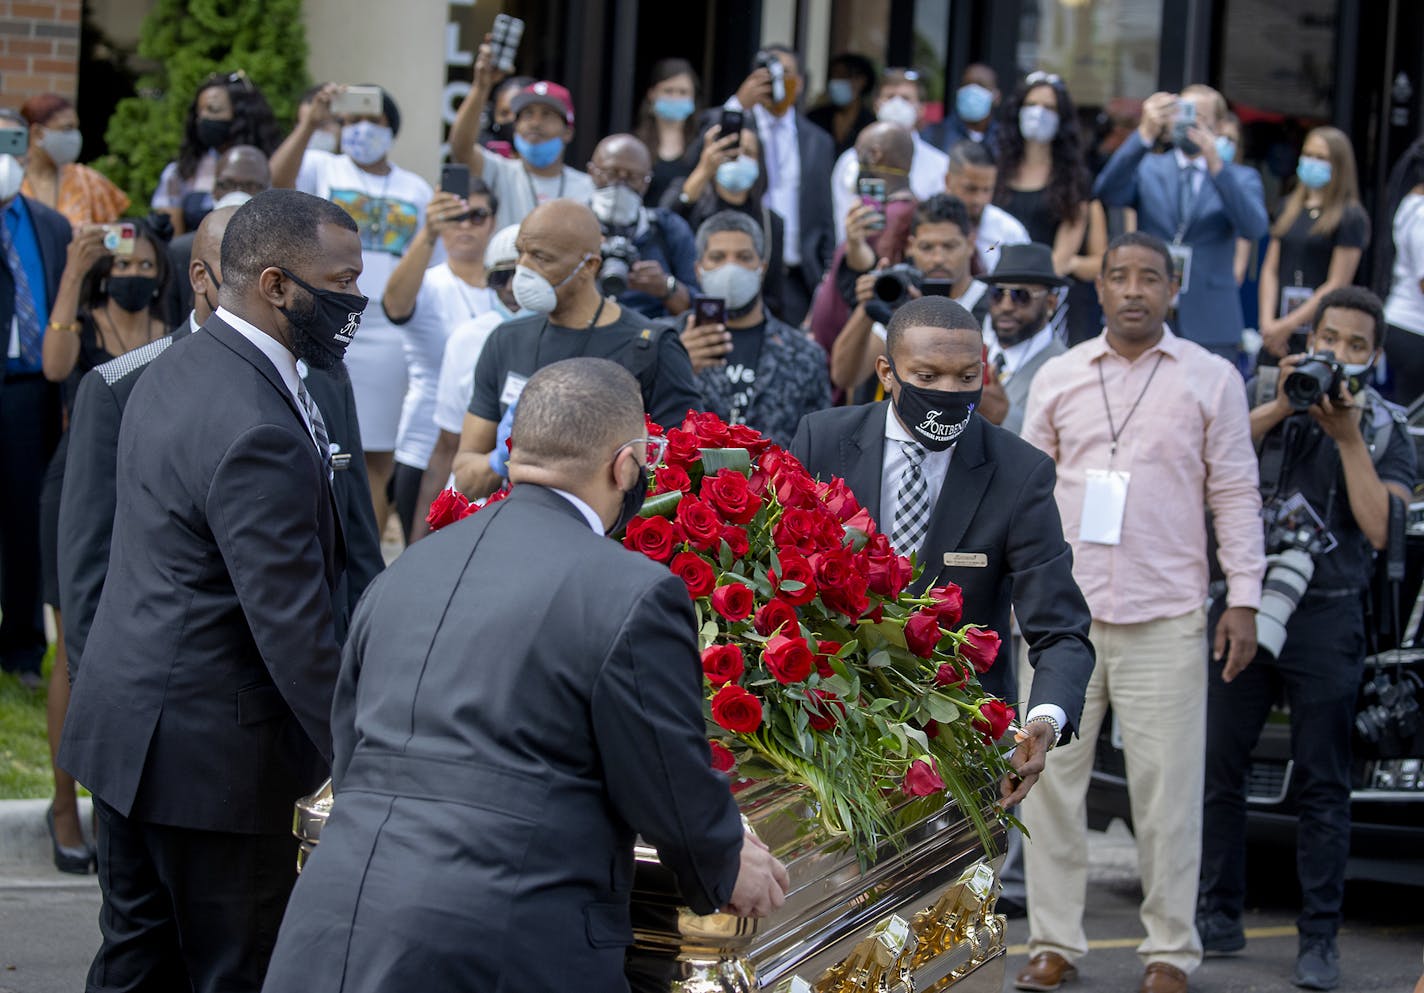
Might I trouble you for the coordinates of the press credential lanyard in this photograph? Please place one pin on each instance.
(1105, 491)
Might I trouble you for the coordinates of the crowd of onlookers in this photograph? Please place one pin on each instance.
(755, 251)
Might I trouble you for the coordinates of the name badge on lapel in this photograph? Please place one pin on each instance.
(1104, 504)
(513, 387)
(966, 560)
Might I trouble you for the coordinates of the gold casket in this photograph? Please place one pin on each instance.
(920, 917)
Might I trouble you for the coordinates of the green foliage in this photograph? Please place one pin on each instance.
(189, 40)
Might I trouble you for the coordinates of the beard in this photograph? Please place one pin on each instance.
(308, 348)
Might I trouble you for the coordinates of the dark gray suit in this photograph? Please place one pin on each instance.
(996, 502)
(200, 711)
(518, 697)
(1017, 386)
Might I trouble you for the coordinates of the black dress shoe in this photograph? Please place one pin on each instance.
(1011, 908)
(72, 860)
(1221, 934)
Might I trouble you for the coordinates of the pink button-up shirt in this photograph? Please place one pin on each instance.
(1188, 449)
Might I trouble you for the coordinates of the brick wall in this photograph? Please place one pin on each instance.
(39, 49)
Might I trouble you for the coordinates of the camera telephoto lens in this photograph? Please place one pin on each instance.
(893, 285)
(1287, 576)
(1309, 381)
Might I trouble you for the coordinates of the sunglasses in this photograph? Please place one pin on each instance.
(238, 78)
(476, 215)
(1036, 78)
(1020, 296)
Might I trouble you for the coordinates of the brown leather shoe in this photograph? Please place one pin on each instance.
(1045, 971)
(1163, 978)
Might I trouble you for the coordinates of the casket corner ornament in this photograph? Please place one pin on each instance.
(843, 704)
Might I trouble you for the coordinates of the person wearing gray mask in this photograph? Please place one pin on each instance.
(53, 175)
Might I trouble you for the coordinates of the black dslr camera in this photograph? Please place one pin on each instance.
(1317, 375)
(619, 255)
(1392, 719)
(768, 61)
(1295, 536)
(892, 285)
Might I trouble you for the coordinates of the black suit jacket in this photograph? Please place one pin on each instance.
(996, 502)
(519, 696)
(204, 696)
(818, 228)
(86, 507)
(179, 303)
(52, 232)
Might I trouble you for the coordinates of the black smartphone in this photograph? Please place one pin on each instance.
(872, 194)
(936, 288)
(709, 310)
(731, 123)
(455, 178)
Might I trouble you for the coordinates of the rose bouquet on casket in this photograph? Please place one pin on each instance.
(819, 665)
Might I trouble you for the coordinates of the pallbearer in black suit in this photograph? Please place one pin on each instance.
(200, 710)
(520, 696)
(972, 501)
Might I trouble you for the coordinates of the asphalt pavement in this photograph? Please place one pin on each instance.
(49, 930)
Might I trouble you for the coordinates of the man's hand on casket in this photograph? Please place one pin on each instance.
(1034, 740)
(762, 881)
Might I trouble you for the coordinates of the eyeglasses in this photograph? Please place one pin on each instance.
(654, 450)
(1020, 296)
(475, 215)
(1037, 78)
(498, 279)
(610, 177)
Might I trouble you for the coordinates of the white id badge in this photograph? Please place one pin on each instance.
(1181, 266)
(1293, 297)
(513, 387)
(1104, 502)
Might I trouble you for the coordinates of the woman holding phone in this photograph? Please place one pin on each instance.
(53, 175)
(108, 304)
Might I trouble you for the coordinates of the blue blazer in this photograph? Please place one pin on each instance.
(1228, 206)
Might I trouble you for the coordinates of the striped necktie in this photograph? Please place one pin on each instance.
(27, 321)
(318, 425)
(912, 513)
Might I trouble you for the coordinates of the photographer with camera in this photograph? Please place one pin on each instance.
(1332, 455)
(937, 263)
(649, 256)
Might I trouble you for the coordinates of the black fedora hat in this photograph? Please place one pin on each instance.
(1030, 263)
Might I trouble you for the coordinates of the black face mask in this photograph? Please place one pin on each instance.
(632, 501)
(132, 293)
(935, 418)
(321, 333)
(213, 133)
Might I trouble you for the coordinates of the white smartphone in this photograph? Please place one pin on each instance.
(357, 101)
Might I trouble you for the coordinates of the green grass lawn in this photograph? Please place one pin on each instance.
(24, 750)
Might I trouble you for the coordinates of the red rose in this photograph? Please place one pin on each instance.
(862, 521)
(723, 664)
(730, 496)
(653, 536)
(994, 719)
(667, 478)
(842, 585)
(839, 500)
(980, 648)
(693, 570)
(788, 659)
(737, 540)
(889, 573)
(948, 604)
(741, 436)
(922, 633)
(736, 710)
(682, 449)
(922, 779)
(931, 729)
(776, 615)
(797, 529)
(653, 428)
(488, 501)
(709, 429)
(794, 569)
(700, 524)
(797, 489)
(826, 709)
(733, 601)
(722, 758)
(447, 508)
(951, 675)
(824, 651)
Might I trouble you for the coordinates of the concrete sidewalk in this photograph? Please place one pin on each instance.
(24, 837)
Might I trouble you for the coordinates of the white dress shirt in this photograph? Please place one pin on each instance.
(282, 360)
(1019, 353)
(927, 169)
(781, 159)
(590, 515)
(1197, 165)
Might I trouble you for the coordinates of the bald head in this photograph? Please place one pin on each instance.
(573, 414)
(241, 168)
(205, 266)
(886, 145)
(562, 222)
(621, 158)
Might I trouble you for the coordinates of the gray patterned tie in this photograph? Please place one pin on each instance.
(318, 425)
(912, 515)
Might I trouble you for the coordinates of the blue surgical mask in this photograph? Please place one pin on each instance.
(973, 102)
(737, 175)
(673, 108)
(1226, 148)
(840, 91)
(540, 155)
(1314, 173)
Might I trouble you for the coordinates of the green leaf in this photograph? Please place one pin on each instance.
(878, 659)
(881, 705)
(716, 459)
(662, 505)
(941, 710)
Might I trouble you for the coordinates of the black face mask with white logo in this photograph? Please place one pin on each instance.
(935, 418)
(321, 333)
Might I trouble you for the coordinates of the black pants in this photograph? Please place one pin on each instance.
(796, 294)
(187, 910)
(404, 492)
(29, 431)
(1319, 668)
(1404, 353)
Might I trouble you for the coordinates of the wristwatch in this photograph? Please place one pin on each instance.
(1045, 718)
(671, 286)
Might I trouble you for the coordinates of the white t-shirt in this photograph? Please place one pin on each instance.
(1405, 306)
(457, 369)
(927, 169)
(997, 227)
(172, 188)
(444, 301)
(388, 211)
(519, 191)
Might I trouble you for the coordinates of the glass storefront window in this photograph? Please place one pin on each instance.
(1101, 48)
(1280, 58)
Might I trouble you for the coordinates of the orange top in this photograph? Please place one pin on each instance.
(86, 196)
